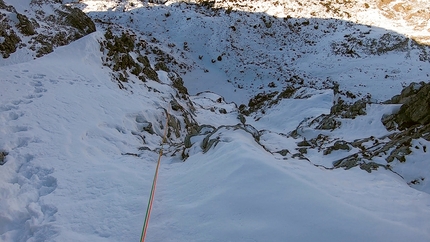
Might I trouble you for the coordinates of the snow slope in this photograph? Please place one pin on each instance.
(66, 126)
(81, 160)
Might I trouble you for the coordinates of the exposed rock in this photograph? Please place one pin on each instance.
(344, 110)
(161, 66)
(175, 125)
(341, 145)
(327, 122)
(338, 145)
(3, 155)
(207, 143)
(287, 93)
(123, 61)
(25, 26)
(148, 128)
(144, 125)
(370, 166)
(201, 130)
(406, 93)
(243, 109)
(267, 99)
(388, 121)
(178, 83)
(283, 152)
(397, 146)
(187, 141)
(149, 72)
(415, 109)
(142, 59)
(299, 156)
(119, 56)
(399, 154)
(10, 40)
(79, 20)
(319, 141)
(45, 31)
(175, 105)
(347, 162)
(303, 143)
(303, 150)
(241, 118)
(257, 102)
(4, 6)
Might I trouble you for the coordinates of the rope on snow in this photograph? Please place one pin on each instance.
(154, 182)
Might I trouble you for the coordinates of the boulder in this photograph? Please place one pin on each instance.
(79, 20)
(415, 109)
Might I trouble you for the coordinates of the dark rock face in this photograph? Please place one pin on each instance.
(80, 21)
(25, 25)
(10, 40)
(406, 93)
(178, 83)
(415, 109)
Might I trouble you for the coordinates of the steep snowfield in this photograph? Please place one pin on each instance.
(65, 125)
(82, 152)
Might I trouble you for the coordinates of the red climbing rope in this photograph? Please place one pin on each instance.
(154, 183)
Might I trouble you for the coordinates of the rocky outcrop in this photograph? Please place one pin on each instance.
(77, 19)
(41, 31)
(9, 39)
(413, 122)
(344, 110)
(415, 109)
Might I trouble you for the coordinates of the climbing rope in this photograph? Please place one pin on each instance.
(154, 182)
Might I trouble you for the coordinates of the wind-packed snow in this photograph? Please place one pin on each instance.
(80, 167)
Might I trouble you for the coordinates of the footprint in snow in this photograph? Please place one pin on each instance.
(14, 116)
(37, 217)
(16, 129)
(36, 84)
(4, 108)
(39, 76)
(39, 90)
(38, 87)
(32, 96)
(18, 102)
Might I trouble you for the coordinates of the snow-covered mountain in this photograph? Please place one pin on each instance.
(286, 120)
(33, 28)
